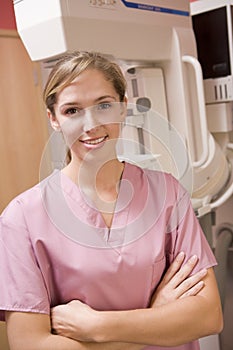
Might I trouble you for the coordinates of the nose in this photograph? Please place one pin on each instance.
(90, 121)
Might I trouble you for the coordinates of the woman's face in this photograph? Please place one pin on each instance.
(89, 114)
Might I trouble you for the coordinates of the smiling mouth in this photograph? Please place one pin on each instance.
(94, 141)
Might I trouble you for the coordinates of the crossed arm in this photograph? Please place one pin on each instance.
(182, 309)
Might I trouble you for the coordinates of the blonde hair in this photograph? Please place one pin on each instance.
(69, 66)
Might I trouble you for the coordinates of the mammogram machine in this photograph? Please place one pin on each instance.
(168, 124)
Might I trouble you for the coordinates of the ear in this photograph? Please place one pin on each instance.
(53, 121)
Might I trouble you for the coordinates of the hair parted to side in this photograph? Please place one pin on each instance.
(70, 65)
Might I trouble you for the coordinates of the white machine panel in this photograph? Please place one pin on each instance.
(96, 25)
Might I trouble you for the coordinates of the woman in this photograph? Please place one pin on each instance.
(103, 254)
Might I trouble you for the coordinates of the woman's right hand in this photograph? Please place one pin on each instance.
(177, 282)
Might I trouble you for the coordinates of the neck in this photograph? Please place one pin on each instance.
(94, 175)
(98, 183)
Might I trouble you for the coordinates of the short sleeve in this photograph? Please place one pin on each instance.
(184, 233)
(22, 285)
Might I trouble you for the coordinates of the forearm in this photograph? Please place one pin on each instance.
(36, 330)
(51, 342)
(111, 346)
(62, 343)
(170, 325)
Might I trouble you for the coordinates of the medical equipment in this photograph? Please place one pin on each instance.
(64, 25)
(212, 23)
(153, 41)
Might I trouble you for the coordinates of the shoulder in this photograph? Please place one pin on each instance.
(161, 185)
(155, 177)
(23, 204)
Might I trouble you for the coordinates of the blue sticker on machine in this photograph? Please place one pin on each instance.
(153, 8)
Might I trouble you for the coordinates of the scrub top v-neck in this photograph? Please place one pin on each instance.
(56, 247)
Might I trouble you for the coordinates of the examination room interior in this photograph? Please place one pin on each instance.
(23, 140)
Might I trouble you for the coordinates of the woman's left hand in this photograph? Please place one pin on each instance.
(177, 282)
(75, 320)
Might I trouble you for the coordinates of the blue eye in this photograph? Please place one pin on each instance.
(104, 106)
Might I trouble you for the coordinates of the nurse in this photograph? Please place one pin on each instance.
(103, 254)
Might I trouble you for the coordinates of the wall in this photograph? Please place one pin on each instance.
(7, 22)
(7, 18)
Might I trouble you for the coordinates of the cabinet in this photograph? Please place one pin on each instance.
(23, 124)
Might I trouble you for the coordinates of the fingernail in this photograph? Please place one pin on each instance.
(181, 255)
(193, 258)
(201, 283)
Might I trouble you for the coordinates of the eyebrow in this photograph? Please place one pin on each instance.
(99, 99)
(104, 97)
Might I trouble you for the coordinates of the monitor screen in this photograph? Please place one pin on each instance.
(211, 34)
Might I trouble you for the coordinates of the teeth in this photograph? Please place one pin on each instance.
(94, 142)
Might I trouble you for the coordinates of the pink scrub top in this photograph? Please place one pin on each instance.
(55, 246)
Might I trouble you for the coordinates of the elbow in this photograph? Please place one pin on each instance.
(215, 323)
(219, 321)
